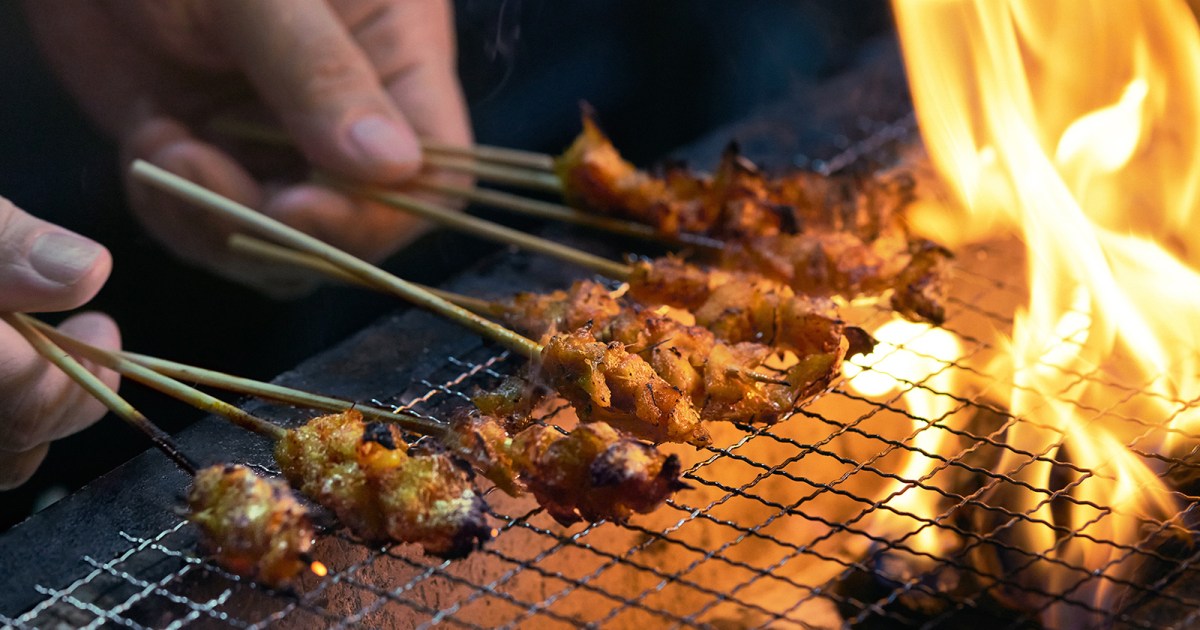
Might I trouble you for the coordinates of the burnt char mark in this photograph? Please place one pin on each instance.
(861, 341)
(671, 469)
(471, 534)
(380, 434)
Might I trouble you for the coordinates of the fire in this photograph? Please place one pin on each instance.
(1076, 126)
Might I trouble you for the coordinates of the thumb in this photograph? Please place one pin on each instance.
(44, 267)
(307, 66)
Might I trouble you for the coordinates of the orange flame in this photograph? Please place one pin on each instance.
(1077, 126)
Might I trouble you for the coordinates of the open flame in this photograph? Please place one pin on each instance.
(1075, 125)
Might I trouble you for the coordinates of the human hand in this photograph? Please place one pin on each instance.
(354, 82)
(45, 268)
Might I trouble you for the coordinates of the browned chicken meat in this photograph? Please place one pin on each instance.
(366, 475)
(252, 526)
(591, 473)
(607, 383)
(725, 381)
(739, 306)
(824, 235)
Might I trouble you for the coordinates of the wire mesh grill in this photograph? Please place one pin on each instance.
(807, 523)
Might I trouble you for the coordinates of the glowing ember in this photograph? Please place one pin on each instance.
(1074, 125)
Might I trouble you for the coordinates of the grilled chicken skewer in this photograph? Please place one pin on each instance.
(603, 383)
(736, 306)
(592, 472)
(363, 472)
(820, 234)
(726, 377)
(250, 525)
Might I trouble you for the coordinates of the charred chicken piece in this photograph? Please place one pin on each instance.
(366, 475)
(741, 307)
(714, 374)
(606, 383)
(252, 526)
(591, 473)
(823, 235)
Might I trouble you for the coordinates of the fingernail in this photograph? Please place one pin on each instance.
(62, 257)
(382, 141)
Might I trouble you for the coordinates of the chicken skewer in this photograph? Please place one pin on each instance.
(725, 376)
(363, 472)
(736, 306)
(603, 383)
(820, 234)
(591, 472)
(250, 525)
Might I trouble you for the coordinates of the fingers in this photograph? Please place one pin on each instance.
(39, 403)
(44, 267)
(368, 230)
(308, 68)
(411, 45)
(17, 468)
(189, 232)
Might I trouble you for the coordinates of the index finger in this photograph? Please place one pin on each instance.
(312, 73)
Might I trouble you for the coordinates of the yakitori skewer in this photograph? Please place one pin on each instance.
(250, 525)
(591, 472)
(604, 383)
(268, 251)
(255, 132)
(725, 376)
(363, 472)
(734, 305)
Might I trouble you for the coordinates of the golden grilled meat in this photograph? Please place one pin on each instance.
(592, 473)
(252, 526)
(366, 475)
(823, 235)
(745, 307)
(717, 376)
(607, 383)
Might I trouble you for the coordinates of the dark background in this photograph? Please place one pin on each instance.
(660, 74)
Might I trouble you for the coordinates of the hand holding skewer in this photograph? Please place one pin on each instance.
(45, 268)
(353, 83)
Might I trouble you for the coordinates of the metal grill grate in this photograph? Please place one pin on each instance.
(805, 523)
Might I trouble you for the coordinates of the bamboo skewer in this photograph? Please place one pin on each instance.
(500, 165)
(254, 246)
(171, 183)
(164, 384)
(266, 134)
(279, 393)
(500, 155)
(120, 407)
(266, 250)
(564, 214)
(484, 229)
(537, 180)
(174, 371)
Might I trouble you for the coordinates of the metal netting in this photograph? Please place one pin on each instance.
(854, 509)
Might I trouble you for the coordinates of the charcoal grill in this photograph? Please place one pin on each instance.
(780, 529)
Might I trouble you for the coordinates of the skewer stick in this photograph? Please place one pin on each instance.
(266, 134)
(266, 250)
(97, 388)
(171, 183)
(499, 155)
(164, 384)
(565, 214)
(537, 180)
(282, 394)
(251, 245)
(483, 229)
